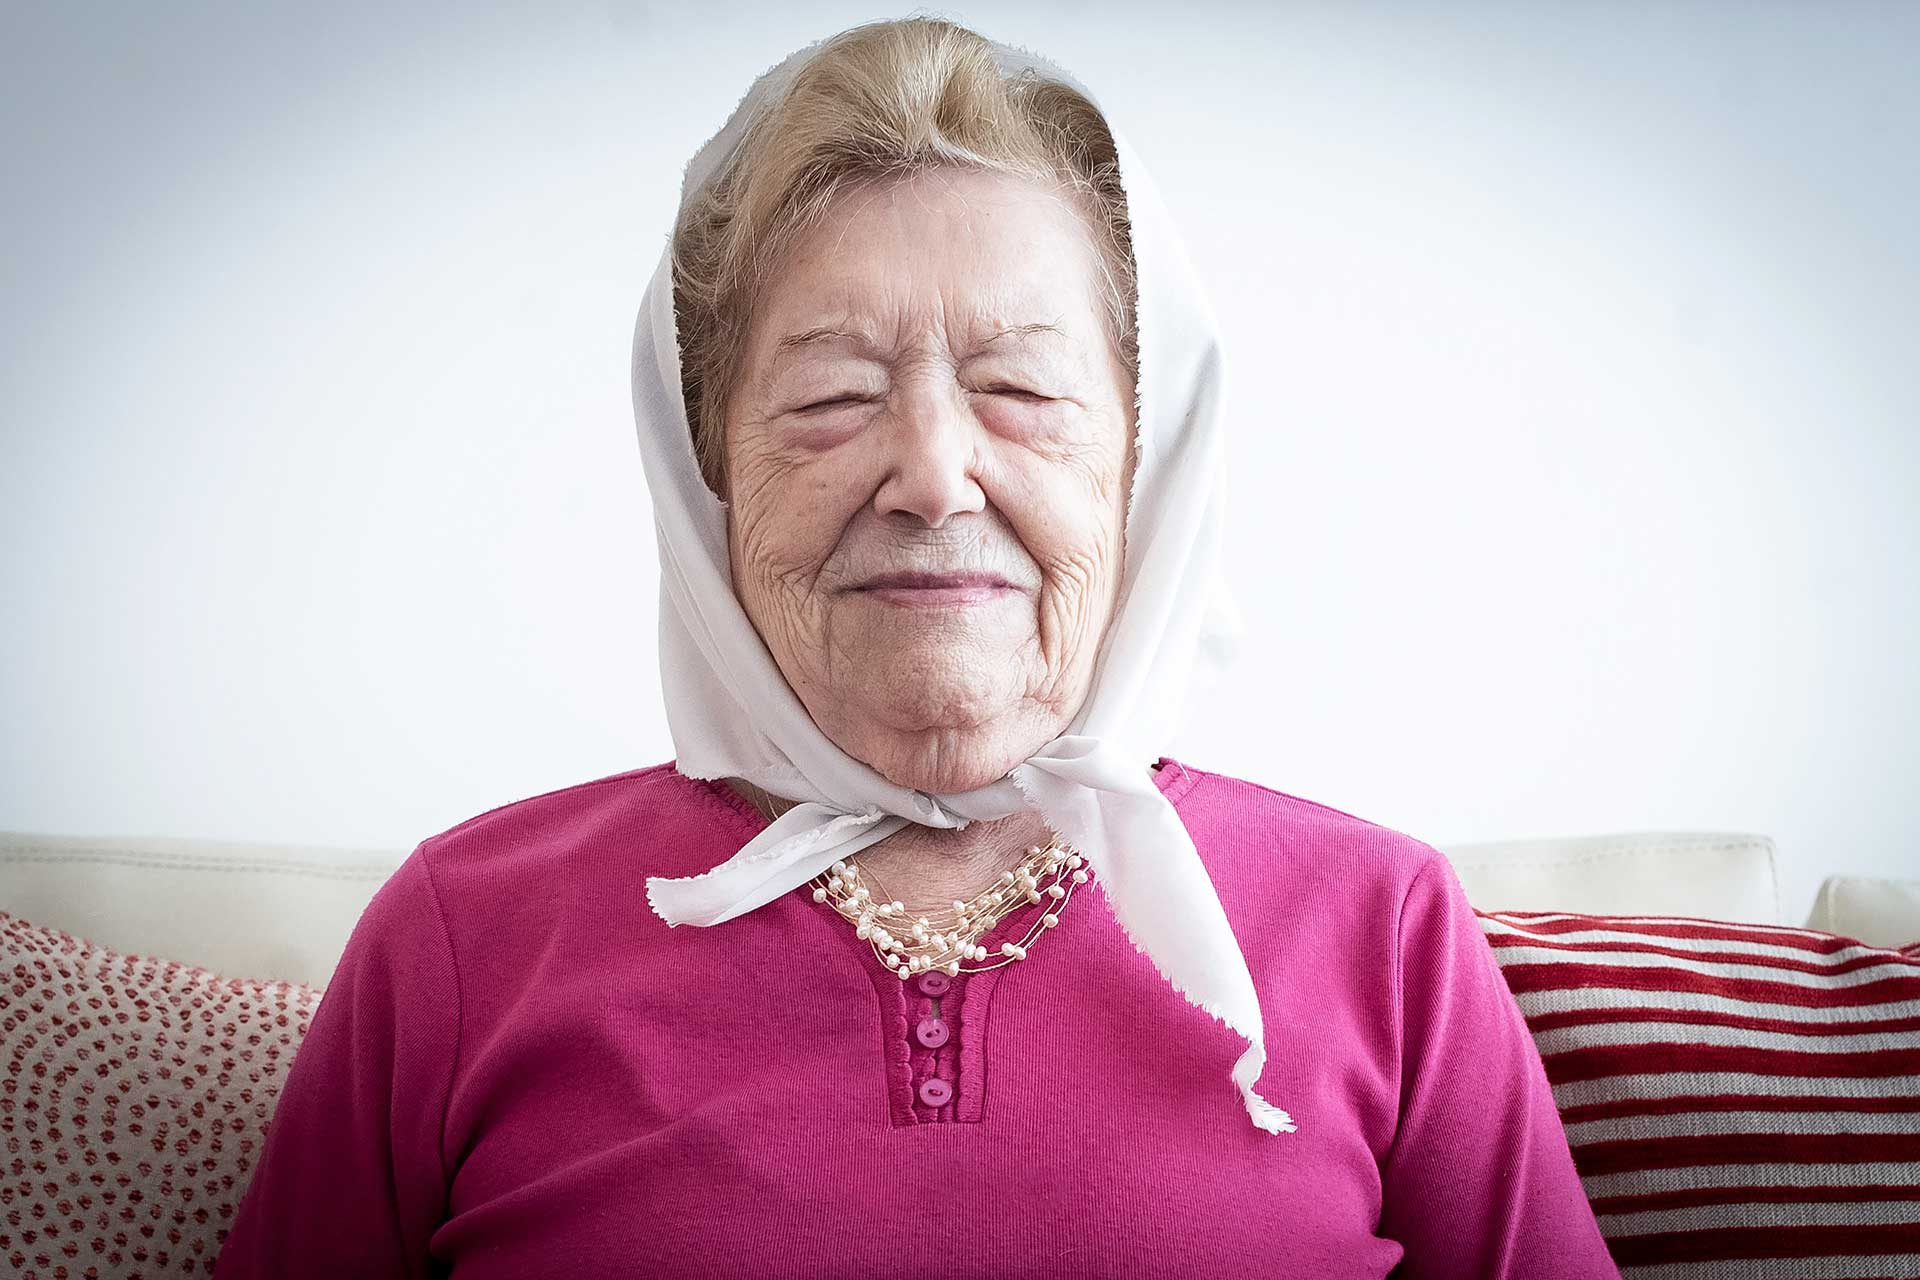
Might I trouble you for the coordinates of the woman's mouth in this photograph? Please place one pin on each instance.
(936, 590)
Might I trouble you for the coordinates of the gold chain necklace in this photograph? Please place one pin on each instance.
(946, 938)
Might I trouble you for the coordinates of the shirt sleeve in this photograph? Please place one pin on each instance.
(1479, 1181)
(351, 1180)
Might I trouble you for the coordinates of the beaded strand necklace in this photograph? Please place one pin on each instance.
(946, 938)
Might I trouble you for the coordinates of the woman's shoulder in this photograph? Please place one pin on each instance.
(1269, 832)
(654, 817)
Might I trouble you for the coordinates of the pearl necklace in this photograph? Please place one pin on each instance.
(944, 939)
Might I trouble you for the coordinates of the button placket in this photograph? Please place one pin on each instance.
(932, 1032)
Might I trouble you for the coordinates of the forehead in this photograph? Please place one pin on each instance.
(975, 259)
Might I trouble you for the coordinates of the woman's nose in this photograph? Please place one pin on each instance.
(931, 450)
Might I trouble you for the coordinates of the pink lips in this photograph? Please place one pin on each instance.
(927, 589)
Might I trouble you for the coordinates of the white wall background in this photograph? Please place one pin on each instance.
(1573, 350)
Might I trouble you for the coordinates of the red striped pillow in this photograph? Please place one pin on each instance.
(1742, 1100)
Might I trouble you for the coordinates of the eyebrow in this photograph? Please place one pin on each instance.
(863, 342)
(820, 333)
(1023, 330)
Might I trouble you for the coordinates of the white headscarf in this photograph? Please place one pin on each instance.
(732, 713)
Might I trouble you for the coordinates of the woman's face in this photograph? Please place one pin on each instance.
(928, 455)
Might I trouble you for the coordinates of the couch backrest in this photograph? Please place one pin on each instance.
(276, 911)
(241, 910)
(1712, 874)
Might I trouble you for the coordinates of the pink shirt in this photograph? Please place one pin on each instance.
(519, 1070)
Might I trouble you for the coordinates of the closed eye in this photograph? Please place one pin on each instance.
(1019, 393)
(837, 400)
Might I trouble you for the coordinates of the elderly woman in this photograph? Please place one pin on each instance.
(930, 408)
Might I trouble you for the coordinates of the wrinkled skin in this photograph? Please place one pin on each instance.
(940, 448)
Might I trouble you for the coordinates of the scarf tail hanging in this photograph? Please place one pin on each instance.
(1158, 890)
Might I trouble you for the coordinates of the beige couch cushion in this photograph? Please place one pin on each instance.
(1714, 875)
(252, 910)
(1880, 912)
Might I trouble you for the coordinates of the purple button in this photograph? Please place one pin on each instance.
(934, 1091)
(932, 1032)
(934, 983)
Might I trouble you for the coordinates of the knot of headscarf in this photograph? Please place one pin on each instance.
(732, 714)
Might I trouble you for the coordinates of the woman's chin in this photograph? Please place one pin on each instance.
(936, 735)
(916, 705)
(945, 774)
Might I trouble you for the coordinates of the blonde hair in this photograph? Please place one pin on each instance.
(877, 102)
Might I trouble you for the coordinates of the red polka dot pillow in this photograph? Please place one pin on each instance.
(1741, 1100)
(135, 1099)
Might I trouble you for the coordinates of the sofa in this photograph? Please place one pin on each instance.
(1741, 1092)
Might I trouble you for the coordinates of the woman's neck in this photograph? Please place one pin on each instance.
(926, 868)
